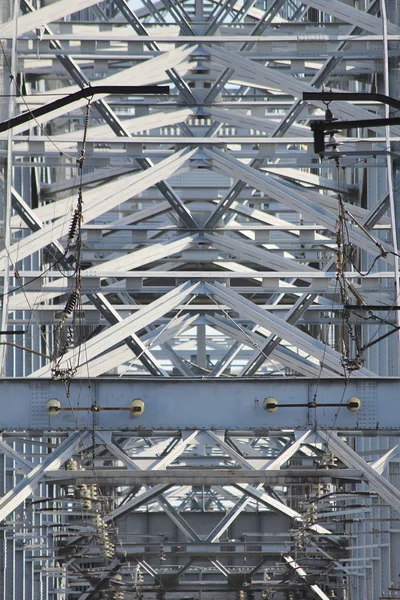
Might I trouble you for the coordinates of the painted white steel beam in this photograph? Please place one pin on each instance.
(115, 358)
(300, 572)
(27, 486)
(254, 492)
(79, 358)
(246, 121)
(381, 463)
(288, 332)
(145, 123)
(20, 461)
(147, 72)
(248, 72)
(133, 260)
(295, 200)
(352, 15)
(47, 14)
(133, 341)
(95, 206)
(282, 354)
(388, 492)
(257, 255)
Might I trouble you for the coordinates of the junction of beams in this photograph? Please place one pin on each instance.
(223, 404)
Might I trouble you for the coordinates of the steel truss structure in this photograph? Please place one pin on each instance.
(199, 316)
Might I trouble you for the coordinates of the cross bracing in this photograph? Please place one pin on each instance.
(191, 238)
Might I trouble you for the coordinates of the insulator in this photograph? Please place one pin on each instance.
(332, 460)
(333, 143)
(240, 595)
(72, 465)
(98, 521)
(74, 224)
(71, 303)
(53, 407)
(318, 489)
(160, 594)
(82, 492)
(270, 405)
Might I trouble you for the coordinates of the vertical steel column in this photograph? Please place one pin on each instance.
(7, 198)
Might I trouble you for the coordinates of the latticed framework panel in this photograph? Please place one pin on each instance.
(198, 233)
(234, 227)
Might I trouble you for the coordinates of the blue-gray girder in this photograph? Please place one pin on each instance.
(229, 404)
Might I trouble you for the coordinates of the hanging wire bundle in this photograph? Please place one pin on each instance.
(74, 242)
(352, 356)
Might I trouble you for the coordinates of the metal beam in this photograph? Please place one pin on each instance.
(388, 492)
(29, 483)
(118, 332)
(277, 326)
(132, 341)
(229, 404)
(187, 476)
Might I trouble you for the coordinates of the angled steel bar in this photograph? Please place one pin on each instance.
(230, 197)
(353, 15)
(94, 208)
(45, 14)
(263, 23)
(319, 79)
(254, 254)
(381, 463)
(294, 314)
(296, 200)
(115, 450)
(23, 464)
(178, 519)
(300, 572)
(132, 341)
(305, 301)
(177, 204)
(179, 15)
(119, 355)
(176, 79)
(243, 10)
(95, 589)
(116, 333)
(264, 77)
(278, 506)
(305, 342)
(173, 454)
(388, 492)
(245, 464)
(254, 492)
(86, 92)
(150, 570)
(149, 494)
(248, 337)
(26, 487)
(106, 112)
(220, 12)
(228, 519)
(152, 11)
